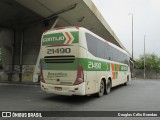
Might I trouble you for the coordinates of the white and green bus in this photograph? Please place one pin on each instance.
(75, 61)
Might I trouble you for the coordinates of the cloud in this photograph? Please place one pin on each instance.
(146, 22)
(155, 4)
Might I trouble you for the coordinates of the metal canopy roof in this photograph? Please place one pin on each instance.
(81, 13)
(14, 15)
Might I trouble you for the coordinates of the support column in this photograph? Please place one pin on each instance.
(21, 57)
(54, 24)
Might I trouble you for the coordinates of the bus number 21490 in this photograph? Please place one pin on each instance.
(94, 65)
(58, 50)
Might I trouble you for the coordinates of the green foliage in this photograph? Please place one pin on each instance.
(152, 62)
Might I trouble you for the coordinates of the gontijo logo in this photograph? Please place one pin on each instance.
(53, 39)
(60, 38)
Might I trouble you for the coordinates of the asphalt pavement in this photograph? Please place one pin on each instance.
(140, 95)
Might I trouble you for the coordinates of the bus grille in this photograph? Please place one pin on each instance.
(59, 59)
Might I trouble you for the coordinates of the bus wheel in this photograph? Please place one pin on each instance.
(108, 87)
(127, 83)
(101, 89)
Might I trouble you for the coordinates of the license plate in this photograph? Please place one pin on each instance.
(58, 88)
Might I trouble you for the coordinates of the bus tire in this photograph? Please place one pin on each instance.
(108, 87)
(127, 83)
(101, 89)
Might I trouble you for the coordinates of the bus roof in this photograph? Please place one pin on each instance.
(82, 28)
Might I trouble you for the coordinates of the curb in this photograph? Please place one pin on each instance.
(22, 83)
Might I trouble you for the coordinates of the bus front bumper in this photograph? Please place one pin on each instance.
(64, 90)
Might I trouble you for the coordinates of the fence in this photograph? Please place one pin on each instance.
(150, 74)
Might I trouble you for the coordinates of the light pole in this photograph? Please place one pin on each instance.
(132, 40)
(144, 59)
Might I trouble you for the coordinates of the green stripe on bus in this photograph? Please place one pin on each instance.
(87, 64)
(60, 38)
(94, 65)
(123, 68)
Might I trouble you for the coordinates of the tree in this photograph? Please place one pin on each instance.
(152, 62)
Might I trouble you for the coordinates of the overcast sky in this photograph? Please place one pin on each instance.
(146, 15)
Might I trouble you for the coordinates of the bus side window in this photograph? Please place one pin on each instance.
(92, 44)
(100, 49)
